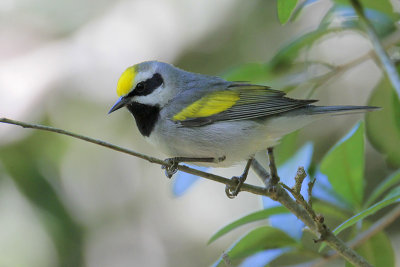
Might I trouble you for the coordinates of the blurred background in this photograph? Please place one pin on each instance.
(70, 203)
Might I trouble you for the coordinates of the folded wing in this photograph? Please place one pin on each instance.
(238, 101)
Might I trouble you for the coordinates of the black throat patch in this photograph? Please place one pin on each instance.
(146, 116)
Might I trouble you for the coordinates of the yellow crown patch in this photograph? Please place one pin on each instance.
(126, 80)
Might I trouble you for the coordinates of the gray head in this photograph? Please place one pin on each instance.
(154, 83)
(150, 83)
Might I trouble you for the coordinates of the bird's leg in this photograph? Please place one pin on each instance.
(233, 191)
(272, 167)
(172, 163)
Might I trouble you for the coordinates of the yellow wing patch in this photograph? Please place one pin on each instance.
(126, 80)
(211, 104)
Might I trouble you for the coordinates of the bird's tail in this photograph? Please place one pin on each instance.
(336, 110)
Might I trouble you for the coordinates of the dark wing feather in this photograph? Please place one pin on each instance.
(255, 101)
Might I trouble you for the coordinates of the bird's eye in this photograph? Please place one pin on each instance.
(140, 87)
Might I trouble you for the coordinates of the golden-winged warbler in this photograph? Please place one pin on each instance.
(207, 120)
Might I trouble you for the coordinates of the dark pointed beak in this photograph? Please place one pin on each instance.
(119, 104)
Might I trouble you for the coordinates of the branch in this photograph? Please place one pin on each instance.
(274, 191)
(316, 224)
(226, 259)
(364, 236)
(246, 187)
(295, 191)
(340, 69)
(387, 64)
(309, 191)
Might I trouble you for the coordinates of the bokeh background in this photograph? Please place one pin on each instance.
(66, 202)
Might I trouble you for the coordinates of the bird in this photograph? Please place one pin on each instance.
(209, 121)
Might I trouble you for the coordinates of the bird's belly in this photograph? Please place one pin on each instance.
(235, 143)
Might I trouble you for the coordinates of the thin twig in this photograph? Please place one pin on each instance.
(387, 64)
(333, 241)
(246, 187)
(378, 226)
(272, 166)
(319, 227)
(226, 259)
(278, 194)
(309, 191)
(296, 193)
(340, 69)
(299, 178)
(302, 214)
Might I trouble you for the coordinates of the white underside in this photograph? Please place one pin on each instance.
(235, 140)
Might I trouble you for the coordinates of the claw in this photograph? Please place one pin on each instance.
(171, 168)
(233, 191)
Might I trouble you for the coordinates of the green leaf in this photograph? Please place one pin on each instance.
(256, 216)
(348, 19)
(344, 166)
(294, 256)
(299, 8)
(330, 211)
(33, 164)
(262, 238)
(254, 72)
(383, 6)
(285, 9)
(284, 58)
(383, 126)
(391, 198)
(378, 250)
(383, 186)
(286, 148)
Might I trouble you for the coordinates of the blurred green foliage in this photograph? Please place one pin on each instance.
(383, 126)
(285, 10)
(344, 164)
(378, 250)
(34, 162)
(255, 241)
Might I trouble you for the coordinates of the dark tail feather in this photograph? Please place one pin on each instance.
(336, 110)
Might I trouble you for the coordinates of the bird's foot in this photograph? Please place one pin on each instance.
(171, 167)
(233, 191)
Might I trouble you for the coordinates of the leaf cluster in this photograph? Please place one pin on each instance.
(340, 193)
